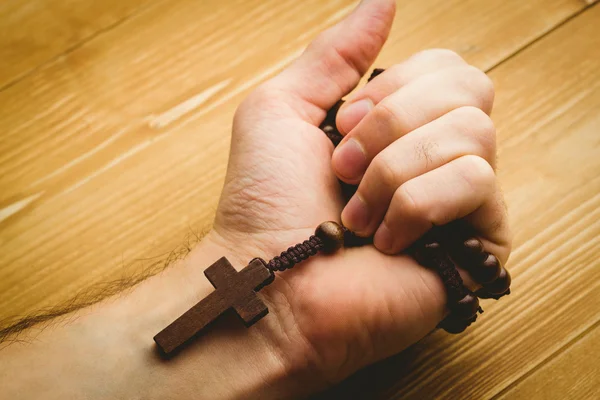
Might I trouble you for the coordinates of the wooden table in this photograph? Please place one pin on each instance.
(115, 123)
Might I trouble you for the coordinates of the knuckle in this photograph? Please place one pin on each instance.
(471, 115)
(475, 84)
(419, 208)
(384, 114)
(395, 69)
(439, 55)
(385, 170)
(477, 171)
(408, 205)
(481, 85)
(397, 73)
(480, 127)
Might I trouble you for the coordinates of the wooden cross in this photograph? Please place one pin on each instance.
(232, 290)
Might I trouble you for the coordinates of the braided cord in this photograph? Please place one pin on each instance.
(295, 254)
(439, 261)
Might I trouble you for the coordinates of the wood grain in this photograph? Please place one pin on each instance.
(115, 132)
(35, 32)
(572, 374)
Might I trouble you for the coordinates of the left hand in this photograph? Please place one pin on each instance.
(422, 146)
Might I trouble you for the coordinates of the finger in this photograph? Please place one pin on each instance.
(490, 223)
(436, 198)
(406, 110)
(335, 61)
(466, 130)
(359, 103)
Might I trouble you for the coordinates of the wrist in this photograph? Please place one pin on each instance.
(229, 360)
(107, 350)
(288, 367)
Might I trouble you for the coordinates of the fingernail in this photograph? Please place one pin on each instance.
(349, 160)
(383, 238)
(350, 115)
(356, 214)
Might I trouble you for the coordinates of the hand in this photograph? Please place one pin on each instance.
(336, 314)
(422, 161)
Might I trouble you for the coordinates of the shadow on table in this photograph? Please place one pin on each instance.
(386, 378)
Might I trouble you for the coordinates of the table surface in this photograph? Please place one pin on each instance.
(115, 124)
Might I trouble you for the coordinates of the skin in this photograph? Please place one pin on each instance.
(421, 161)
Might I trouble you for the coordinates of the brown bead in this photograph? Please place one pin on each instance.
(487, 271)
(500, 285)
(466, 307)
(331, 234)
(483, 294)
(473, 251)
(426, 252)
(451, 324)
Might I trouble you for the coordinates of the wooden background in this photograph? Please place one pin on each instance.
(114, 130)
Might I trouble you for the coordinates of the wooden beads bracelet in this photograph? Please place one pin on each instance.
(439, 250)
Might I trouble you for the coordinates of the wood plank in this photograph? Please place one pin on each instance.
(547, 116)
(117, 150)
(573, 374)
(35, 32)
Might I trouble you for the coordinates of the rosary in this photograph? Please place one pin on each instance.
(438, 250)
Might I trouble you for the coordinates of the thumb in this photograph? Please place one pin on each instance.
(334, 62)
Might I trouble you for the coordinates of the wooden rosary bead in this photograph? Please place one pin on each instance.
(500, 285)
(454, 325)
(424, 253)
(466, 307)
(431, 254)
(487, 271)
(332, 235)
(473, 251)
(483, 294)
(328, 125)
(375, 73)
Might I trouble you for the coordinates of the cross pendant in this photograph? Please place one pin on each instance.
(233, 289)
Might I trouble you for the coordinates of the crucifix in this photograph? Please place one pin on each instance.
(237, 290)
(233, 290)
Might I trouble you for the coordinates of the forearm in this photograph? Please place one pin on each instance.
(107, 351)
